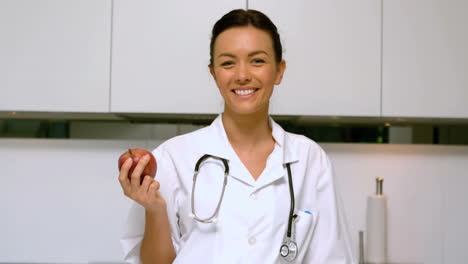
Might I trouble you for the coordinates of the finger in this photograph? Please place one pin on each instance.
(156, 185)
(123, 174)
(153, 189)
(147, 181)
(135, 177)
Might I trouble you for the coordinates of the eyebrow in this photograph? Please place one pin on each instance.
(251, 54)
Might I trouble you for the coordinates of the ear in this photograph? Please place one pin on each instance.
(212, 71)
(280, 71)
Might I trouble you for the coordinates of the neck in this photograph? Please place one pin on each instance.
(247, 131)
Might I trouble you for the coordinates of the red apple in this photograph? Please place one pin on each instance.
(136, 154)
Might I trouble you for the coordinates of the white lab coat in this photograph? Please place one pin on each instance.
(253, 216)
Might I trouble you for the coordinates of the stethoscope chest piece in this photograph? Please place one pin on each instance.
(288, 250)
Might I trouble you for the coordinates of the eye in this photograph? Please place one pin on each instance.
(227, 64)
(258, 61)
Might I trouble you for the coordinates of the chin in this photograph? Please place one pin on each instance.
(246, 111)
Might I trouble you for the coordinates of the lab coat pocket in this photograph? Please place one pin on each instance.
(304, 228)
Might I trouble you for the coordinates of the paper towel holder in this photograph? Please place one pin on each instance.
(376, 226)
(379, 186)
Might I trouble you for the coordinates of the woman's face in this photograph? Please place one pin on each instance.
(245, 69)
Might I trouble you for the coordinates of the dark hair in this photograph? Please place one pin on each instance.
(250, 17)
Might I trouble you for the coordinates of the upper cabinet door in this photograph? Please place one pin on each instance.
(425, 58)
(161, 55)
(55, 55)
(332, 52)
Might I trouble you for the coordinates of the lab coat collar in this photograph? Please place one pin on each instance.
(217, 142)
(218, 145)
(282, 154)
(283, 140)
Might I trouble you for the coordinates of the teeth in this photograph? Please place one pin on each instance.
(244, 92)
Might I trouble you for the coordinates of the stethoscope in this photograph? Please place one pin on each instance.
(288, 249)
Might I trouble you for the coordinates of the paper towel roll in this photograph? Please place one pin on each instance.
(376, 231)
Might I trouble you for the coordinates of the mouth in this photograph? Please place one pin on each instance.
(244, 91)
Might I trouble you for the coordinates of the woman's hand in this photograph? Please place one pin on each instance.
(147, 194)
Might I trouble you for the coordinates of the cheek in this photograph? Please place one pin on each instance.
(222, 79)
(269, 76)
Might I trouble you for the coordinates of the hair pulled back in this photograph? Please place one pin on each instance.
(250, 17)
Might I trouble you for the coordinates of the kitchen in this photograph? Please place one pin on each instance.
(74, 72)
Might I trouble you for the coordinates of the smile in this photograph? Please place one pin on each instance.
(244, 91)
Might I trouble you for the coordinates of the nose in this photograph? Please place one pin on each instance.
(243, 73)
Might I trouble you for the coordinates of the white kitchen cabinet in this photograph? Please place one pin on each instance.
(332, 51)
(160, 56)
(55, 55)
(425, 58)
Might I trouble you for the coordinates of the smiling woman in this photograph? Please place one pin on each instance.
(246, 61)
(278, 201)
(245, 70)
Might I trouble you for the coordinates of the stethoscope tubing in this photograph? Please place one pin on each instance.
(211, 218)
(289, 244)
(291, 208)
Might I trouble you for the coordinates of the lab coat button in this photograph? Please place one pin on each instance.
(252, 240)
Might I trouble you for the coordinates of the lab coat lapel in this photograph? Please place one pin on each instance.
(284, 142)
(217, 144)
(215, 141)
(282, 154)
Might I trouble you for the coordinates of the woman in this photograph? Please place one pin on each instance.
(257, 220)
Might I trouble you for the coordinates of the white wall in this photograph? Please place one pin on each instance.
(61, 201)
(426, 198)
